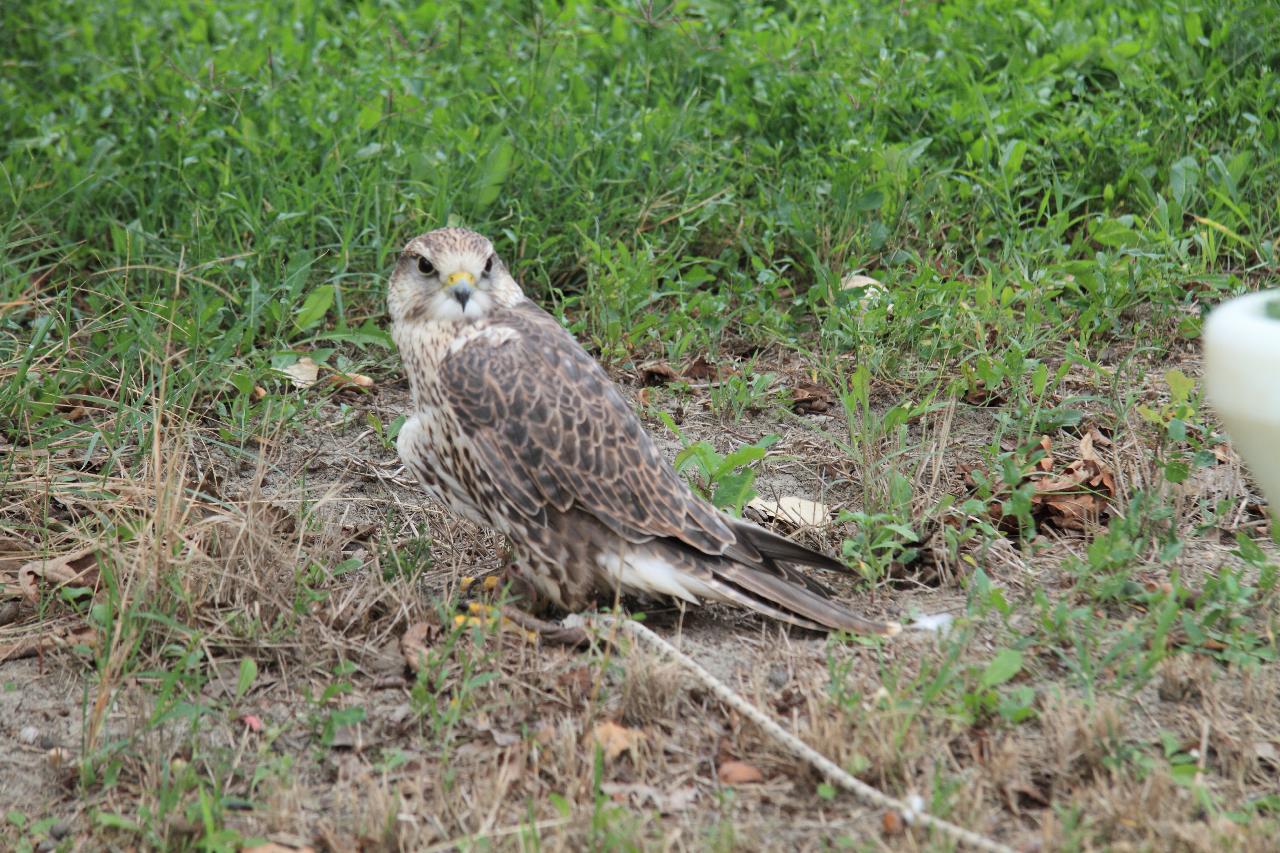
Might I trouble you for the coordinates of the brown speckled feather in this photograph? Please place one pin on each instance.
(554, 430)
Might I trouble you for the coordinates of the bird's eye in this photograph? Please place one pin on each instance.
(488, 265)
(425, 266)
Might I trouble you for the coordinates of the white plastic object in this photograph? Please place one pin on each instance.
(1242, 382)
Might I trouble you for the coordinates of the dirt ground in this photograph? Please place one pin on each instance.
(451, 760)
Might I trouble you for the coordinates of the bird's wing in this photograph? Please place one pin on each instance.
(553, 431)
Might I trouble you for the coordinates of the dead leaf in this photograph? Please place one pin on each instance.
(853, 280)
(350, 380)
(980, 395)
(657, 373)
(13, 553)
(615, 739)
(63, 639)
(891, 823)
(9, 611)
(809, 398)
(873, 291)
(303, 372)
(1024, 790)
(78, 567)
(1078, 495)
(415, 643)
(1087, 453)
(577, 681)
(794, 511)
(272, 847)
(739, 773)
(1072, 512)
(1046, 463)
(701, 370)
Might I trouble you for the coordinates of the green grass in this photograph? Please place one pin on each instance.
(182, 177)
(192, 195)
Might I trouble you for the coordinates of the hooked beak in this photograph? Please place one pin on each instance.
(460, 286)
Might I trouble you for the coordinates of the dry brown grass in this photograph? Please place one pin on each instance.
(307, 557)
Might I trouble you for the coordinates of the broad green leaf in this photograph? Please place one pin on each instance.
(1039, 379)
(496, 169)
(370, 114)
(110, 820)
(367, 334)
(738, 458)
(1180, 386)
(1192, 26)
(1011, 157)
(733, 491)
(248, 674)
(243, 382)
(872, 200)
(1005, 665)
(746, 455)
(295, 276)
(1113, 233)
(1183, 176)
(316, 305)
(701, 453)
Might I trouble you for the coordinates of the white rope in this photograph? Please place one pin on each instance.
(833, 772)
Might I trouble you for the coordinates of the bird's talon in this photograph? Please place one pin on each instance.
(481, 614)
(487, 585)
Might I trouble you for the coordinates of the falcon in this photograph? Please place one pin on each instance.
(517, 428)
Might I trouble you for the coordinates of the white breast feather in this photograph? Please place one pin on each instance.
(638, 572)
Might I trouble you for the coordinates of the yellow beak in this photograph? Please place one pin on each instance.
(461, 277)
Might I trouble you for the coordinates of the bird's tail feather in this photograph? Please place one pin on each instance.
(770, 545)
(781, 598)
(759, 577)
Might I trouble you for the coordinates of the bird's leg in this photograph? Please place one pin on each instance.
(531, 602)
(548, 632)
(532, 628)
(520, 614)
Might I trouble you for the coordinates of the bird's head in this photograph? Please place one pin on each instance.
(449, 275)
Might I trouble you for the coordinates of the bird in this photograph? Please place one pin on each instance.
(515, 426)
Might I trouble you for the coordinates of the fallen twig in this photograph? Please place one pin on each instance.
(862, 791)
